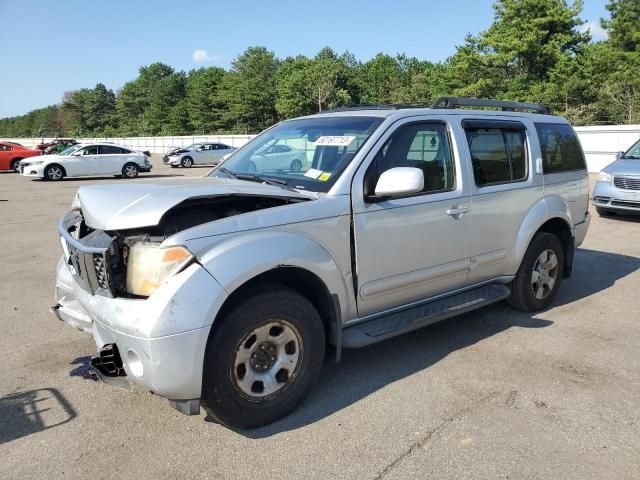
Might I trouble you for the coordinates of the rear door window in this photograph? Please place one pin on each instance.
(561, 151)
(498, 152)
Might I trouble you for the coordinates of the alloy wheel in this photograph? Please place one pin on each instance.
(545, 274)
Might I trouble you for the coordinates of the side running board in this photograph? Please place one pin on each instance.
(388, 326)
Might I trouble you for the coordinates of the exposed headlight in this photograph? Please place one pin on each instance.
(150, 265)
(605, 177)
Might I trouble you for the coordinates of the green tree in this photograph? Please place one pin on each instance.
(201, 92)
(624, 25)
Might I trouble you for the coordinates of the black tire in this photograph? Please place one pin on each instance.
(522, 287)
(54, 172)
(603, 212)
(15, 165)
(187, 162)
(222, 395)
(130, 170)
(296, 166)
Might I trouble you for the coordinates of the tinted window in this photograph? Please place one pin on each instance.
(498, 155)
(561, 150)
(93, 150)
(423, 146)
(110, 150)
(4, 148)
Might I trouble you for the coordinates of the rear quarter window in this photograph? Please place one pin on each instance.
(560, 147)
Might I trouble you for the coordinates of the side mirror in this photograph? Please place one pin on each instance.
(76, 154)
(400, 181)
(619, 155)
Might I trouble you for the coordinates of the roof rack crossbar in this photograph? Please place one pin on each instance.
(457, 102)
(376, 106)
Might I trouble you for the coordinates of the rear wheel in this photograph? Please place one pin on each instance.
(15, 165)
(130, 170)
(262, 358)
(187, 162)
(54, 172)
(539, 275)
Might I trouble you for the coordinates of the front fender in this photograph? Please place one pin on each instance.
(238, 259)
(541, 212)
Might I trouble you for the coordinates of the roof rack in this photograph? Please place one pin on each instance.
(457, 102)
(376, 106)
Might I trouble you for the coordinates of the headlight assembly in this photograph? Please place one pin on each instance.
(150, 265)
(605, 177)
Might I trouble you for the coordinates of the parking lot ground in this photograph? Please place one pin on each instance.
(491, 394)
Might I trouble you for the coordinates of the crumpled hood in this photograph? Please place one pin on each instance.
(132, 205)
(624, 167)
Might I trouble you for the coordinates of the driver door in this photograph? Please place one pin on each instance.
(411, 247)
(85, 161)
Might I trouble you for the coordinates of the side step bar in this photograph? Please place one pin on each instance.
(388, 326)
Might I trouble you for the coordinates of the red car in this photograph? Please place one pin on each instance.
(11, 154)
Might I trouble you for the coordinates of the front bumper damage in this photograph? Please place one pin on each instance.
(157, 342)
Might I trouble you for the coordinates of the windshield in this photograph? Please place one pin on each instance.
(633, 152)
(308, 154)
(193, 147)
(70, 150)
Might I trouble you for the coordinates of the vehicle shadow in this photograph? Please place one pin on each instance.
(24, 413)
(623, 217)
(363, 371)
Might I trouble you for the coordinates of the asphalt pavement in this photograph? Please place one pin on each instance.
(491, 394)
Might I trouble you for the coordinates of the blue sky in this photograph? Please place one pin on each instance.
(49, 47)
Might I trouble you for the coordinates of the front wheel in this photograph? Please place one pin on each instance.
(130, 170)
(187, 162)
(539, 275)
(296, 166)
(54, 173)
(262, 358)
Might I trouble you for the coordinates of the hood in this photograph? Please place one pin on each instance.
(624, 166)
(132, 205)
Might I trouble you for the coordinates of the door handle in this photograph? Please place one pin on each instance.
(456, 211)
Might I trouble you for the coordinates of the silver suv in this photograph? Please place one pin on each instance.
(224, 291)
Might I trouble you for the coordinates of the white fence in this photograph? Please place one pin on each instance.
(153, 144)
(600, 143)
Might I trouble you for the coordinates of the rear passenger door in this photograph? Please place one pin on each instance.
(413, 247)
(112, 159)
(504, 189)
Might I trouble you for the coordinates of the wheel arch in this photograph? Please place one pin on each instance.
(64, 170)
(551, 215)
(243, 264)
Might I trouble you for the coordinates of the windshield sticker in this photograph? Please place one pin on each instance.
(313, 173)
(324, 177)
(335, 141)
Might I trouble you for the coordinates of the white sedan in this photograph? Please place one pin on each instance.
(197, 154)
(87, 160)
(278, 157)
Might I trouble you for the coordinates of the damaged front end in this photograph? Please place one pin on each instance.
(109, 263)
(148, 304)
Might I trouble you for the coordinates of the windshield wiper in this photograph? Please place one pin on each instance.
(257, 178)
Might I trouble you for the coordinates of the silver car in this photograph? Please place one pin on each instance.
(225, 291)
(197, 154)
(618, 186)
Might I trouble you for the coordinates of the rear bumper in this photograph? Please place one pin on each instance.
(580, 230)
